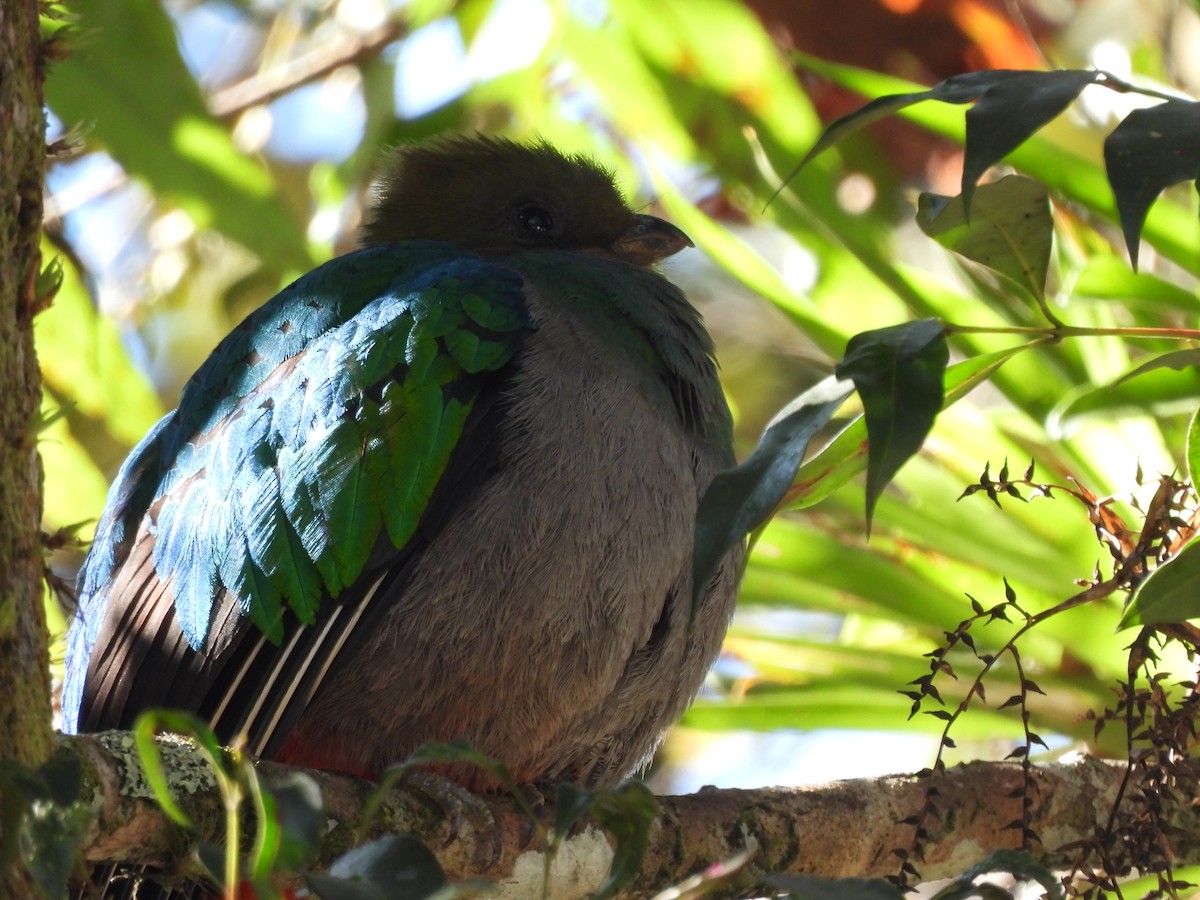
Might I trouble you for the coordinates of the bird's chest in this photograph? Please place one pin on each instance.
(585, 521)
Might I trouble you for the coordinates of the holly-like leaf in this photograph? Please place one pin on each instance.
(1170, 594)
(1009, 233)
(1148, 152)
(740, 499)
(899, 373)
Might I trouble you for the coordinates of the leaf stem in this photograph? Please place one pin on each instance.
(1059, 332)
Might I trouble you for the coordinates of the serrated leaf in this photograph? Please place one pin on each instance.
(1009, 233)
(740, 499)
(1171, 593)
(899, 373)
(1149, 151)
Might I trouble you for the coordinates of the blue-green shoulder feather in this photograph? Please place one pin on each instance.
(327, 416)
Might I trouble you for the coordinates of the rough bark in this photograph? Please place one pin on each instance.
(25, 734)
(844, 829)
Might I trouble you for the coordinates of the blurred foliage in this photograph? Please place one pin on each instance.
(182, 207)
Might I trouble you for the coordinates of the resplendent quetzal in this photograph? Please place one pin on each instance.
(441, 487)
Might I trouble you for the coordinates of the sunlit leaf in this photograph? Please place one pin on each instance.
(1009, 232)
(1193, 448)
(166, 135)
(1161, 389)
(1171, 593)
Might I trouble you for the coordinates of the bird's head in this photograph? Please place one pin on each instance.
(493, 195)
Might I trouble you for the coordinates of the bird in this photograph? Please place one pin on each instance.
(442, 487)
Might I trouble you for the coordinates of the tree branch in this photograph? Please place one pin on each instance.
(316, 64)
(842, 829)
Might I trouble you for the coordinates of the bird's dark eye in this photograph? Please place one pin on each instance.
(536, 218)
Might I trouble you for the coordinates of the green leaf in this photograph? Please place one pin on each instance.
(846, 455)
(298, 820)
(162, 132)
(810, 887)
(1193, 448)
(396, 867)
(1157, 390)
(1148, 152)
(1018, 863)
(1171, 593)
(627, 813)
(144, 731)
(1179, 360)
(1009, 233)
(899, 373)
(571, 802)
(740, 499)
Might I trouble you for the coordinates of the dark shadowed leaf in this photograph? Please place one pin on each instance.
(1148, 152)
(627, 813)
(809, 887)
(1010, 109)
(1171, 593)
(846, 455)
(740, 499)
(396, 867)
(1018, 863)
(899, 373)
(299, 817)
(1011, 106)
(1009, 232)
(571, 802)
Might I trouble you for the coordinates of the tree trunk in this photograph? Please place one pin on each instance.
(25, 733)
